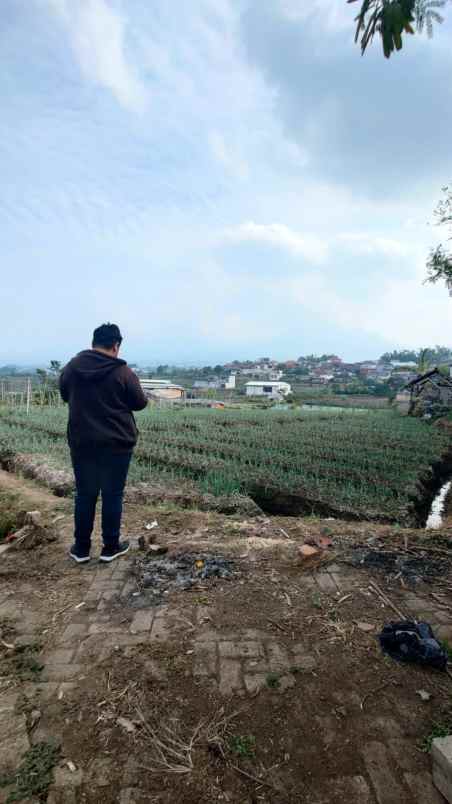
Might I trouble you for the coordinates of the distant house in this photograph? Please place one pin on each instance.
(270, 390)
(430, 393)
(162, 390)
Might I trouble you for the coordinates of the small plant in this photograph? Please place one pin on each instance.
(317, 600)
(34, 775)
(23, 662)
(448, 648)
(243, 745)
(438, 730)
(272, 681)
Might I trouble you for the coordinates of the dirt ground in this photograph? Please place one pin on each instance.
(269, 686)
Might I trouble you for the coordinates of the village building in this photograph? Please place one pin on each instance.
(270, 390)
(162, 390)
(430, 393)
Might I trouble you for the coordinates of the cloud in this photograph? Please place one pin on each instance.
(387, 313)
(330, 14)
(280, 236)
(97, 33)
(366, 123)
(227, 155)
(364, 244)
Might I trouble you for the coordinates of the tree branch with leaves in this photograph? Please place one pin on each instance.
(391, 19)
(439, 265)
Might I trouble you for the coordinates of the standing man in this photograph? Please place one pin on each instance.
(102, 391)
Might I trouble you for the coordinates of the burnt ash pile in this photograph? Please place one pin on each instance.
(157, 577)
(395, 564)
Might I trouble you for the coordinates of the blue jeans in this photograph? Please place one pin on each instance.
(99, 471)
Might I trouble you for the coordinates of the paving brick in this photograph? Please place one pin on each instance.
(285, 683)
(14, 740)
(388, 727)
(302, 659)
(8, 703)
(405, 753)
(91, 649)
(59, 656)
(132, 795)
(380, 768)
(74, 631)
(203, 614)
(442, 765)
(236, 650)
(120, 571)
(142, 621)
(256, 666)
(155, 670)
(327, 729)
(65, 689)
(326, 583)
(61, 672)
(254, 682)
(132, 771)
(46, 731)
(209, 635)
(105, 628)
(230, 677)
(44, 692)
(66, 778)
(423, 789)
(160, 630)
(110, 594)
(350, 789)
(128, 588)
(444, 632)
(205, 663)
(93, 597)
(62, 795)
(100, 771)
(278, 658)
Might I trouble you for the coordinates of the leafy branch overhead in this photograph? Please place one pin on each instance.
(439, 265)
(391, 19)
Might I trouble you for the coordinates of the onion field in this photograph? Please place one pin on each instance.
(373, 464)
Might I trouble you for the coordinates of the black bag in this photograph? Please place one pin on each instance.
(408, 641)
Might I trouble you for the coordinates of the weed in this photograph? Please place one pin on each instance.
(317, 600)
(34, 775)
(243, 745)
(23, 662)
(272, 681)
(443, 729)
(202, 601)
(448, 648)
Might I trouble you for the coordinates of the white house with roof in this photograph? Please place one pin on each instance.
(268, 389)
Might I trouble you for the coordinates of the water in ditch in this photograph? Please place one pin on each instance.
(435, 519)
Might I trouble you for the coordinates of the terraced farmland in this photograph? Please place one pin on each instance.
(372, 464)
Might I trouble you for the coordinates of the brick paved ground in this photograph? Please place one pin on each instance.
(236, 663)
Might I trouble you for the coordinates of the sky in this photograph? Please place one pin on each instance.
(225, 179)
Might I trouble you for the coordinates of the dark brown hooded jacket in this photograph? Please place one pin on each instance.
(102, 392)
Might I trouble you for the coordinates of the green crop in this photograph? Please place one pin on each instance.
(365, 463)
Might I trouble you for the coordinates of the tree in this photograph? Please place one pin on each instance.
(55, 368)
(439, 265)
(391, 19)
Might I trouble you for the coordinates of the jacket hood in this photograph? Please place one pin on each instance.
(92, 366)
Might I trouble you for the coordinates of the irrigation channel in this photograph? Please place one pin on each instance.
(437, 511)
